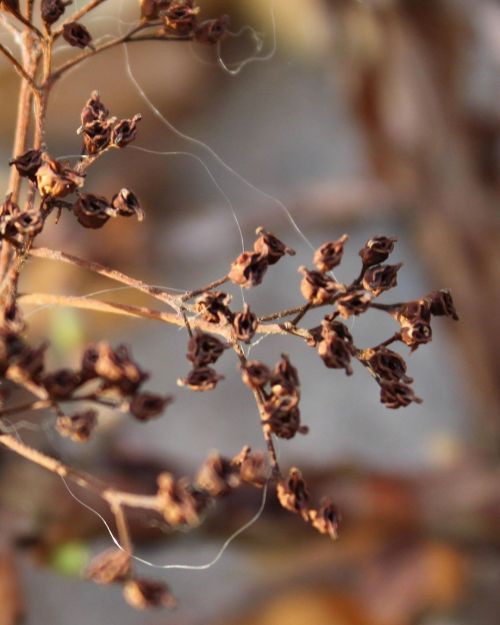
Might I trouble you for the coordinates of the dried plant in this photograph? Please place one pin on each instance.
(109, 376)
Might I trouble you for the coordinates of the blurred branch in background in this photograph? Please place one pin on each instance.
(409, 72)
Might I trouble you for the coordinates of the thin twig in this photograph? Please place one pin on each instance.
(19, 68)
(113, 274)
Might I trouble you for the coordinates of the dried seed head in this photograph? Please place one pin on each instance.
(145, 594)
(245, 324)
(334, 351)
(415, 333)
(55, 179)
(397, 395)
(28, 365)
(201, 379)
(91, 210)
(270, 246)
(441, 304)
(126, 204)
(282, 416)
(146, 406)
(23, 224)
(94, 110)
(252, 467)
(27, 164)
(293, 493)
(329, 255)
(96, 135)
(180, 18)
(181, 502)
(61, 384)
(117, 369)
(385, 364)
(285, 378)
(377, 250)
(77, 427)
(213, 306)
(204, 348)
(317, 288)
(113, 565)
(255, 374)
(248, 269)
(381, 278)
(125, 131)
(53, 9)
(217, 476)
(150, 9)
(355, 303)
(77, 35)
(212, 31)
(327, 519)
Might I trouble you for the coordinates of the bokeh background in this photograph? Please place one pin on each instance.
(365, 117)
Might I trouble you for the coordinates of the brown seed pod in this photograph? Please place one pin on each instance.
(77, 427)
(113, 565)
(77, 35)
(329, 255)
(248, 269)
(201, 379)
(245, 324)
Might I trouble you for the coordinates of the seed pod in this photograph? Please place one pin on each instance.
(113, 565)
(181, 502)
(255, 374)
(146, 406)
(334, 351)
(126, 204)
(217, 476)
(55, 179)
(293, 493)
(317, 288)
(125, 131)
(212, 31)
(213, 306)
(77, 427)
(180, 18)
(94, 110)
(329, 255)
(386, 364)
(204, 349)
(355, 303)
(144, 594)
(441, 304)
(201, 379)
(245, 324)
(77, 35)
(327, 519)
(381, 278)
(248, 269)
(397, 395)
(377, 250)
(270, 246)
(61, 384)
(28, 163)
(91, 210)
(53, 9)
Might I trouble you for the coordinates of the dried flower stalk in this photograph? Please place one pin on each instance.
(109, 376)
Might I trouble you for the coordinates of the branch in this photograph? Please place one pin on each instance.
(115, 498)
(126, 38)
(19, 68)
(113, 274)
(90, 6)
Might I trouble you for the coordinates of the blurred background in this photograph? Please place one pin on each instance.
(362, 117)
